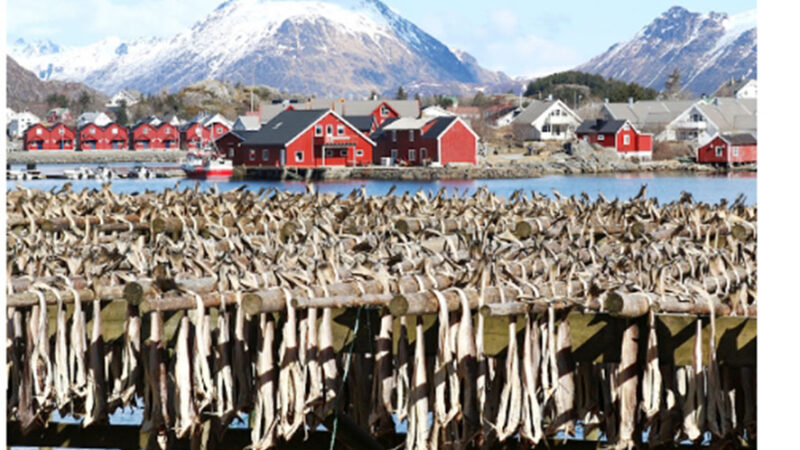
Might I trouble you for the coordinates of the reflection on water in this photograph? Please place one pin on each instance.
(665, 188)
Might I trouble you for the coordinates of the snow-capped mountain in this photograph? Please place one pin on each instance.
(332, 47)
(708, 49)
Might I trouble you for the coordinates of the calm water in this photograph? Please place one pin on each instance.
(707, 188)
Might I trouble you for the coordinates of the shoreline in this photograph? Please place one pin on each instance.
(93, 156)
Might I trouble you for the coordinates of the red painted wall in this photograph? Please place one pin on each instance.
(708, 154)
(458, 145)
(217, 130)
(403, 144)
(169, 137)
(50, 138)
(594, 138)
(195, 136)
(104, 138)
(379, 118)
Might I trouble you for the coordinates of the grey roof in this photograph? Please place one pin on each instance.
(532, 112)
(249, 123)
(740, 139)
(270, 110)
(362, 123)
(648, 114)
(284, 127)
(440, 124)
(405, 108)
(600, 126)
(731, 115)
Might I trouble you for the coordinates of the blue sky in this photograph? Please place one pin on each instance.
(520, 37)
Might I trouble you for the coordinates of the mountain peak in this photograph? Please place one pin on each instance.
(706, 49)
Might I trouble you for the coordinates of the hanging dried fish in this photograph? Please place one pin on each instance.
(264, 420)
(15, 351)
(223, 373)
(531, 421)
(417, 434)
(651, 379)
(445, 378)
(96, 399)
(185, 413)
(290, 381)
(327, 358)
(201, 372)
(61, 354)
(467, 354)
(241, 359)
(628, 380)
(510, 410)
(313, 370)
(380, 420)
(401, 378)
(41, 367)
(156, 418)
(78, 353)
(565, 388)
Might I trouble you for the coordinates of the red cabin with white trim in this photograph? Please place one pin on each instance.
(195, 136)
(620, 135)
(301, 139)
(416, 142)
(110, 137)
(56, 137)
(729, 149)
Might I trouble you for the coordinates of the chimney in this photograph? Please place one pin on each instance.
(605, 100)
(716, 101)
(630, 101)
(550, 97)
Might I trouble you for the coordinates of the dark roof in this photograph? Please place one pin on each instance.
(102, 127)
(600, 126)
(362, 123)
(440, 124)
(381, 131)
(740, 139)
(284, 127)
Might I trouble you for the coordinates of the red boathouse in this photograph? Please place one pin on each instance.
(301, 139)
(416, 142)
(729, 149)
(110, 137)
(620, 135)
(56, 137)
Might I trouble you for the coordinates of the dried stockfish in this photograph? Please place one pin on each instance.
(224, 407)
(417, 434)
(241, 359)
(156, 416)
(627, 382)
(264, 420)
(186, 418)
(531, 421)
(510, 409)
(78, 353)
(445, 378)
(313, 370)
(290, 384)
(466, 352)
(402, 382)
(380, 419)
(651, 379)
(61, 357)
(327, 359)
(15, 350)
(565, 385)
(201, 372)
(96, 399)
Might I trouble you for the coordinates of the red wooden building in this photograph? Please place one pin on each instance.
(55, 137)
(110, 137)
(415, 142)
(620, 135)
(729, 149)
(194, 135)
(145, 136)
(302, 139)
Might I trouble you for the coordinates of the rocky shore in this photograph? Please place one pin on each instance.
(94, 156)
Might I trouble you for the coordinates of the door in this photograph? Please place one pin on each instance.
(394, 156)
(283, 157)
(61, 145)
(39, 145)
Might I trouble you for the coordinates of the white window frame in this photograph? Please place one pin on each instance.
(114, 130)
(318, 131)
(92, 130)
(329, 130)
(343, 153)
(718, 150)
(230, 153)
(359, 152)
(626, 139)
(601, 137)
(735, 151)
(252, 154)
(219, 130)
(38, 131)
(384, 111)
(301, 155)
(410, 135)
(340, 130)
(265, 154)
(412, 154)
(394, 154)
(328, 152)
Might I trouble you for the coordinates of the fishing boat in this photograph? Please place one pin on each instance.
(204, 165)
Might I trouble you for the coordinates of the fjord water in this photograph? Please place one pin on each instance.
(665, 188)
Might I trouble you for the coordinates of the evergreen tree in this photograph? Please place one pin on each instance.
(673, 84)
(84, 100)
(401, 94)
(122, 113)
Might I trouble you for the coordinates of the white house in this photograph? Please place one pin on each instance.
(548, 120)
(650, 116)
(435, 111)
(21, 122)
(247, 123)
(129, 96)
(98, 118)
(10, 115)
(749, 90)
(705, 119)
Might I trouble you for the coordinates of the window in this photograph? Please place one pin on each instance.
(394, 135)
(61, 131)
(92, 130)
(329, 130)
(601, 137)
(198, 131)
(318, 130)
(412, 154)
(298, 156)
(340, 130)
(735, 151)
(720, 149)
(328, 153)
(343, 153)
(546, 128)
(626, 140)
(145, 130)
(264, 154)
(394, 154)
(384, 111)
(423, 153)
(359, 152)
(114, 130)
(219, 130)
(411, 136)
(168, 130)
(230, 151)
(39, 131)
(252, 155)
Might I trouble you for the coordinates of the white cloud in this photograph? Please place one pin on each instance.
(529, 55)
(504, 21)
